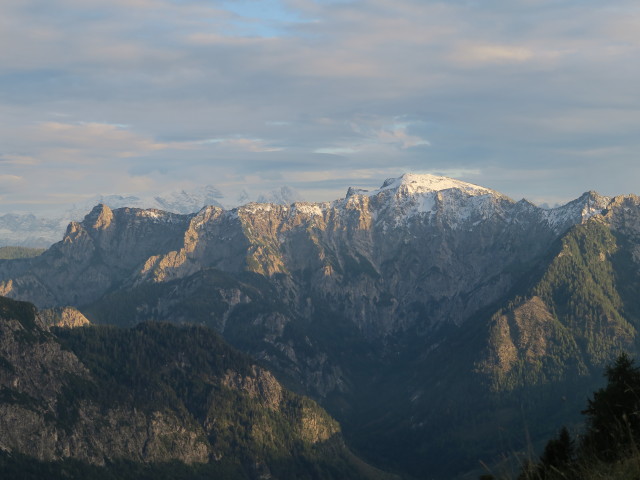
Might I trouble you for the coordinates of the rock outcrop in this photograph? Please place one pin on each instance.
(68, 317)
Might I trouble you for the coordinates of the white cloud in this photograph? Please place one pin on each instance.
(374, 133)
(135, 87)
(18, 160)
(240, 143)
(472, 54)
(10, 178)
(84, 142)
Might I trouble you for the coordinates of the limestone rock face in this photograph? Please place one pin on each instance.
(94, 256)
(68, 317)
(33, 366)
(420, 253)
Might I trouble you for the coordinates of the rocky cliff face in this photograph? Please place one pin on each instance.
(93, 257)
(420, 251)
(418, 254)
(68, 317)
(45, 229)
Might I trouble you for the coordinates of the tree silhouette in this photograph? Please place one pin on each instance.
(558, 456)
(613, 415)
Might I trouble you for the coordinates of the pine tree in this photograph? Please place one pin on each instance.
(558, 456)
(613, 415)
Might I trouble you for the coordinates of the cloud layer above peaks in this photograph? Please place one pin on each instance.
(533, 98)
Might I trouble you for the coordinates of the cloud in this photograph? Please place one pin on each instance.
(10, 178)
(18, 160)
(472, 54)
(239, 143)
(10, 183)
(336, 150)
(374, 133)
(115, 95)
(397, 135)
(98, 137)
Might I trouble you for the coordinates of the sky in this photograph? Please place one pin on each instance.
(534, 98)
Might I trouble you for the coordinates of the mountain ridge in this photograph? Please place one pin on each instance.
(42, 229)
(393, 308)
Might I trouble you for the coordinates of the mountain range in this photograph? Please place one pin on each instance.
(42, 229)
(440, 322)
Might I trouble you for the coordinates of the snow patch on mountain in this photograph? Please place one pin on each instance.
(309, 209)
(579, 210)
(427, 204)
(411, 195)
(414, 184)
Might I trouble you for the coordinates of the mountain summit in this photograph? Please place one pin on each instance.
(414, 184)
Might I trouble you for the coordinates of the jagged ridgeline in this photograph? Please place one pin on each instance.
(155, 401)
(430, 317)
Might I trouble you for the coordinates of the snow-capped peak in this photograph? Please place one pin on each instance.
(578, 210)
(457, 203)
(415, 184)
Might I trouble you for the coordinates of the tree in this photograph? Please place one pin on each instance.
(613, 415)
(558, 456)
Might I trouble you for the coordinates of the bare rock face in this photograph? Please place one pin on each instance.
(623, 214)
(94, 256)
(419, 244)
(38, 377)
(68, 317)
(260, 385)
(213, 238)
(420, 253)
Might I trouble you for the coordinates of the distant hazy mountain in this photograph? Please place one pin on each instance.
(441, 322)
(27, 230)
(283, 196)
(43, 230)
